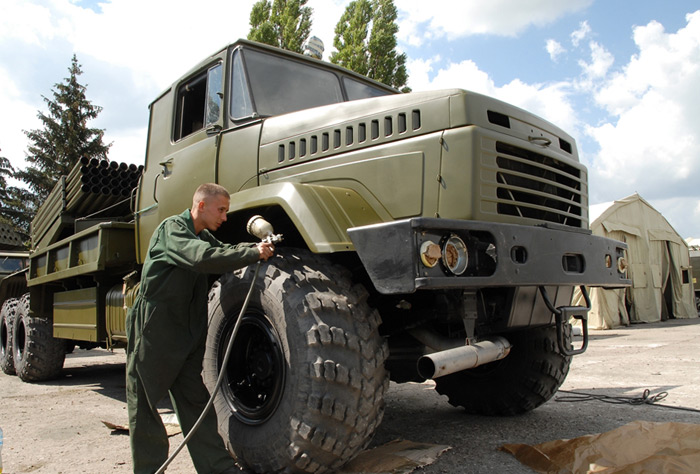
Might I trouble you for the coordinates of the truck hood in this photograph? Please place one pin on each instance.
(417, 113)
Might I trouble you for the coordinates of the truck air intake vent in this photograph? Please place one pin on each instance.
(498, 119)
(564, 145)
(536, 186)
(358, 134)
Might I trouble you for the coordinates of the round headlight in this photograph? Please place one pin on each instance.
(454, 255)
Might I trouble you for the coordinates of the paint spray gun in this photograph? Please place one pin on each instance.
(260, 228)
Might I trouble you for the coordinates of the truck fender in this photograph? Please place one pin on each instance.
(321, 214)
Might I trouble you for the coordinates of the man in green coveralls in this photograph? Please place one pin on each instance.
(167, 327)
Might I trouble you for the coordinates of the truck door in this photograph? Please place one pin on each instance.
(184, 156)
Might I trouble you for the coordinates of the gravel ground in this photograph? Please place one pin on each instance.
(56, 427)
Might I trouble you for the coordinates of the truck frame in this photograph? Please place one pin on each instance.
(427, 235)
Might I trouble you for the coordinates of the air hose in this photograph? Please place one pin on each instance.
(219, 380)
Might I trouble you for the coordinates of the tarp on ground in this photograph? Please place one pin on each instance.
(659, 267)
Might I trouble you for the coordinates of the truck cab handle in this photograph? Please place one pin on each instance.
(155, 187)
(541, 141)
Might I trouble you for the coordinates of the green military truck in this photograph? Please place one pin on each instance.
(426, 235)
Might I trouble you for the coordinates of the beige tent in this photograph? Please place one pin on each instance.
(659, 267)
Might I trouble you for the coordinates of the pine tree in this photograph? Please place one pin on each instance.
(377, 57)
(282, 23)
(65, 138)
(11, 200)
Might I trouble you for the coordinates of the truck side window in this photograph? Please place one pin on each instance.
(214, 95)
(198, 102)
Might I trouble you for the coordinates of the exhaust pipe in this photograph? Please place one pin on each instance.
(447, 362)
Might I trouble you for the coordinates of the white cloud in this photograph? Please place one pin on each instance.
(651, 144)
(22, 116)
(127, 145)
(601, 61)
(549, 101)
(554, 49)
(419, 71)
(420, 21)
(25, 21)
(579, 35)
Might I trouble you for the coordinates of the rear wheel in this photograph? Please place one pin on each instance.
(528, 377)
(7, 319)
(37, 354)
(305, 383)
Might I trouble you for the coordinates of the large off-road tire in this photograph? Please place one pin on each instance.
(37, 354)
(304, 387)
(7, 319)
(528, 377)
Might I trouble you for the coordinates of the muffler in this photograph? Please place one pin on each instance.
(447, 362)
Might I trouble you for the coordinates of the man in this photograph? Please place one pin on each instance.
(166, 331)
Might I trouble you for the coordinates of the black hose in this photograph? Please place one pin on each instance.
(219, 380)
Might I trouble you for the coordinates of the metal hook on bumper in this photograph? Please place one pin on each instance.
(562, 315)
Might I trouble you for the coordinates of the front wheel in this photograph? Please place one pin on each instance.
(528, 377)
(304, 386)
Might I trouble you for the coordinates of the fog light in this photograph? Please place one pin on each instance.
(454, 255)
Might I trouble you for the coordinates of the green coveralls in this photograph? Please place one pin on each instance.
(166, 330)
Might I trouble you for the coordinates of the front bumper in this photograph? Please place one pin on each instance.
(500, 255)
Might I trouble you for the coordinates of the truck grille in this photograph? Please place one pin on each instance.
(536, 186)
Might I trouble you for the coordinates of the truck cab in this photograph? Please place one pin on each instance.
(208, 126)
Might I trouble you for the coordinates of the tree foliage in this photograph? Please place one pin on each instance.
(365, 40)
(65, 137)
(11, 199)
(282, 23)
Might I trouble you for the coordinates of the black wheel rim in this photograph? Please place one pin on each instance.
(255, 373)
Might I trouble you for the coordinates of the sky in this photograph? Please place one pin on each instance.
(621, 76)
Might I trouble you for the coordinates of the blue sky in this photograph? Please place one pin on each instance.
(621, 76)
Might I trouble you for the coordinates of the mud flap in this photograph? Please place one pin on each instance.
(562, 314)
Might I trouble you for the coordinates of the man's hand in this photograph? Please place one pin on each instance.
(266, 250)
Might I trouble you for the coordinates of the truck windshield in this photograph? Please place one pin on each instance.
(11, 264)
(279, 85)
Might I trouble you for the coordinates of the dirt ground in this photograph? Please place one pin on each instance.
(56, 427)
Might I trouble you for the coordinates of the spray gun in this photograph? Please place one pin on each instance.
(260, 228)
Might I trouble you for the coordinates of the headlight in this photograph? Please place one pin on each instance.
(454, 255)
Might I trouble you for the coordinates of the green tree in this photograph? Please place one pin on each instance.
(375, 57)
(282, 23)
(65, 137)
(350, 39)
(11, 200)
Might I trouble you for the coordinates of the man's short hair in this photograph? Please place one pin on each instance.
(208, 190)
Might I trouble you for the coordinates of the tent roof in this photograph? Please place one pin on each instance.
(606, 210)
